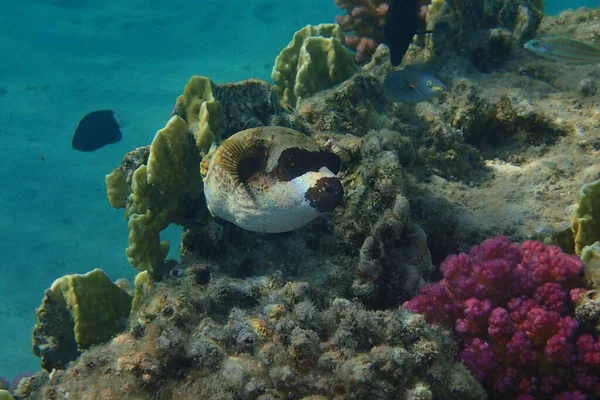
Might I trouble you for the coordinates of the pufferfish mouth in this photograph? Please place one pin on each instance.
(326, 194)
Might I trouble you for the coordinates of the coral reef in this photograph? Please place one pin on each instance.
(203, 336)
(159, 184)
(314, 60)
(78, 312)
(485, 32)
(256, 315)
(512, 307)
(327, 251)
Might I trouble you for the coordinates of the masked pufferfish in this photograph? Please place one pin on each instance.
(271, 179)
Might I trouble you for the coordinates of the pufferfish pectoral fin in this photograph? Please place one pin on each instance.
(240, 160)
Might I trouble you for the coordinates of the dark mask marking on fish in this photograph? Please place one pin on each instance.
(95, 130)
(294, 162)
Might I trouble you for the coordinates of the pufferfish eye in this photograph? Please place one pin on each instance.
(429, 83)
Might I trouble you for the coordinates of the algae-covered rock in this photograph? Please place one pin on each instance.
(586, 222)
(78, 312)
(259, 338)
(314, 60)
(587, 311)
(248, 104)
(516, 115)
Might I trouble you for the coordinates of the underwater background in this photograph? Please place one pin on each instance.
(64, 58)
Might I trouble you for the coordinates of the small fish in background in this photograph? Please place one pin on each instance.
(411, 86)
(95, 130)
(564, 49)
(401, 25)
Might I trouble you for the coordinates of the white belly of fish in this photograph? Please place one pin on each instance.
(265, 205)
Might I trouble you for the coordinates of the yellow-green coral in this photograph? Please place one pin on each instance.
(117, 189)
(98, 307)
(5, 395)
(586, 222)
(142, 284)
(590, 255)
(159, 190)
(146, 251)
(314, 60)
(201, 110)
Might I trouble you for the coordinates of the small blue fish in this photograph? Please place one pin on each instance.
(411, 86)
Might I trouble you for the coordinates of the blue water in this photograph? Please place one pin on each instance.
(64, 58)
(555, 6)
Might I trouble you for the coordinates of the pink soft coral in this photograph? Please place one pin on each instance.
(511, 305)
(363, 24)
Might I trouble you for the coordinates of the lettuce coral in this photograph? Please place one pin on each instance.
(586, 222)
(159, 187)
(78, 312)
(314, 60)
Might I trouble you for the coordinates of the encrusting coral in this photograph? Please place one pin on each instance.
(198, 107)
(154, 190)
(590, 255)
